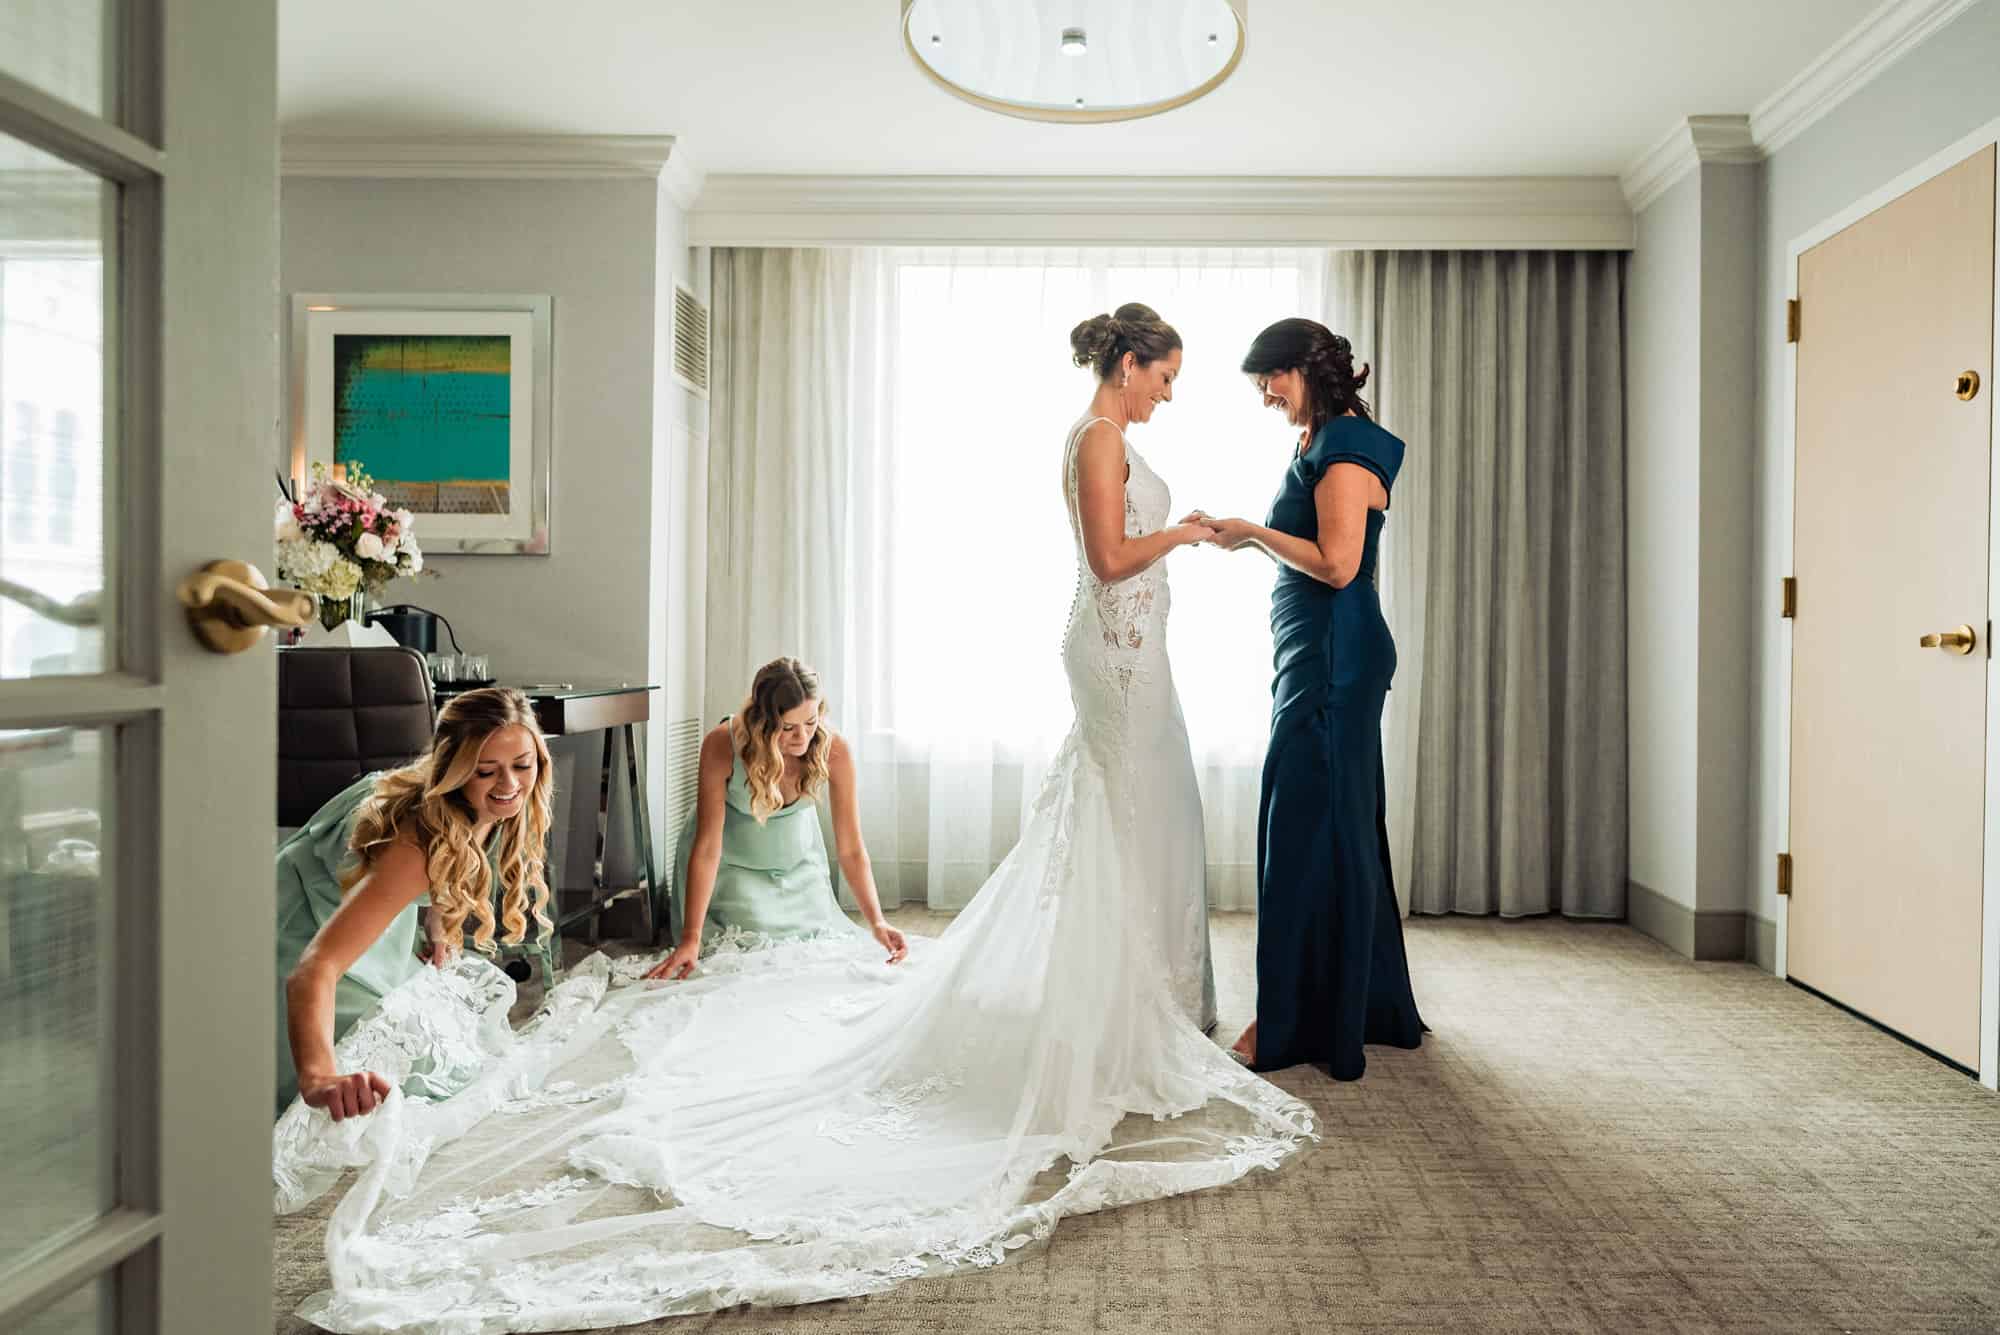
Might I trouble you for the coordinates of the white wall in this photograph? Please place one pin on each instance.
(579, 613)
(1942, 90)
(1662, 535)
(679, 538)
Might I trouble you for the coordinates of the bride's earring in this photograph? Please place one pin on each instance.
(1125, 380)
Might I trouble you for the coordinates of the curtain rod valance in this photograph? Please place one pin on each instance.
(1373, 213)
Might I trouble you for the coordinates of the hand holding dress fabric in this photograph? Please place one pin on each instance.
(891, 941)
(679, 964)
(438, 949)
(344, 1096)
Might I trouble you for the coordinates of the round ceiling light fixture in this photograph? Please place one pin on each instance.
(1077, 61)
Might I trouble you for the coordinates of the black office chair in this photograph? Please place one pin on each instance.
(343, 713)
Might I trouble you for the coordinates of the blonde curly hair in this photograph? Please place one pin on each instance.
(423, 804)
(781, 686)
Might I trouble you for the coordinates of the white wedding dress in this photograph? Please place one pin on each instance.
(801, 1121)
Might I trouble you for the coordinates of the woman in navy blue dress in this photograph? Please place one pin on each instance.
(1331, 972)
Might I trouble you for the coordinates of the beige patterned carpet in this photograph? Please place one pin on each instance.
(1599, 1136)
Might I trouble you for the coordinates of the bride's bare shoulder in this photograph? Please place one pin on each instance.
(1102, 447)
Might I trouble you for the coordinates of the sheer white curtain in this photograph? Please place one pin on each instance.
(890, 510)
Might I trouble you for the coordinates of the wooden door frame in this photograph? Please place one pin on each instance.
(1989, 954)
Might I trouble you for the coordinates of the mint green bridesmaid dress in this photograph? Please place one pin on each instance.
(773, 879)
(309, 866)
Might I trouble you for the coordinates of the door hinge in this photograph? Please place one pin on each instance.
(1788, 597)
(1792, 320)
(1784, 873)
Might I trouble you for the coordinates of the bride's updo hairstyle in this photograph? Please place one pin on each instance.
(424, 804)
(1324, 358)
(1102, 341)
(781, 686)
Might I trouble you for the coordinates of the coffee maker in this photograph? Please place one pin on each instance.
(414, 627)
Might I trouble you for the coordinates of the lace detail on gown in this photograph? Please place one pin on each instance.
(800, 1121)
(1125, 610)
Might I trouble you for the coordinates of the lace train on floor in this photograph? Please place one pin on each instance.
(798, 1122)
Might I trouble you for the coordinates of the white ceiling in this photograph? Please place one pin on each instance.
(1327, 87)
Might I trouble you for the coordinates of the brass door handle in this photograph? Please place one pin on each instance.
(1968, 385)
(229, 605)
(1960, 641)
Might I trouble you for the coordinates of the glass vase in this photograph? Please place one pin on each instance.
(333, 611)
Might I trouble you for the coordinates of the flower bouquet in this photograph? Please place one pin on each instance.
(341, 540)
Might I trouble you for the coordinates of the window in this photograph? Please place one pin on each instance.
(984, 395)
(51, 427)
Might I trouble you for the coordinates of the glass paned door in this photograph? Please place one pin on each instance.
(138, 195)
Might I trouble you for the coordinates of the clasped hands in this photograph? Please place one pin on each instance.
(1228, 534)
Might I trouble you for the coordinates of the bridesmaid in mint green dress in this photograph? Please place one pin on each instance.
(754, 860)
(471, 813)
(309, 866)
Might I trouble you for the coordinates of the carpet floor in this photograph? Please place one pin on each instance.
(1599, 1136)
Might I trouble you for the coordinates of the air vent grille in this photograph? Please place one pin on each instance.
(690, 341)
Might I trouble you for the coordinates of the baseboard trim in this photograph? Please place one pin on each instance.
(1760, 943)
(1695, 934)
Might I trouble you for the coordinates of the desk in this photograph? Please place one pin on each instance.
(569, 710)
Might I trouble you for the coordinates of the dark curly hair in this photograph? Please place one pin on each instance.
(1324, 358)
(1102, 341)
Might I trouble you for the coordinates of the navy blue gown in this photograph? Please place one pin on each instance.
(1331, 972)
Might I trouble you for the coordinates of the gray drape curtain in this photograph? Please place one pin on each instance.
(1503, 571)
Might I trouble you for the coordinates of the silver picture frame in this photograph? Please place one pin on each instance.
(527, 318)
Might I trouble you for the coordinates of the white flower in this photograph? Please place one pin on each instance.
(368, 547)
(288, 523)
(403, 520)
(413, 559)
(317, 567)
(341, 581)
(301, 559)
(389, 547)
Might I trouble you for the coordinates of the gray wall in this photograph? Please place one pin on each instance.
(1689, 471)
(1729, 202)
(1662, 504)
(579, 613)
(1941, 91)
(602, 249)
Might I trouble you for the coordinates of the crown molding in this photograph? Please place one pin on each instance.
(1874, 44)
(1696, 140)
(682, 177)
(1835, 75)
(482, 157)
(1553, 213)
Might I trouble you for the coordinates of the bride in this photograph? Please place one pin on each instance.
(802, 1121)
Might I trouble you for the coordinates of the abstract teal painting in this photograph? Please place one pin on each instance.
(430, 417)
(445, 399)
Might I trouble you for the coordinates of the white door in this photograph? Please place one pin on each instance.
(138, 405)
(1889, 726)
